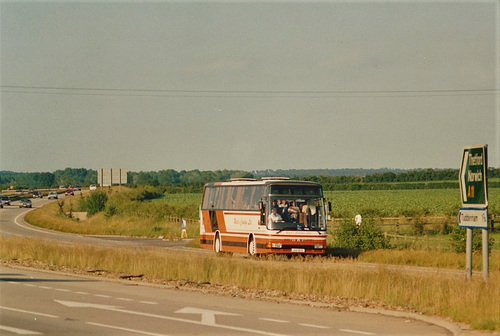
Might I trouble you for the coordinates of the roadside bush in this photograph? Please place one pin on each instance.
(418, 226)
(459, 239)
(110, 210)
(61, 208)
(144, 193)
(447, 228)
(346, 236)
(371, 236)
(93, 203)
(368, 236)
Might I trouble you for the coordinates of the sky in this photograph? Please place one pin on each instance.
(246, 85)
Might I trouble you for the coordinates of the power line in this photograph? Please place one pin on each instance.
(241, 93)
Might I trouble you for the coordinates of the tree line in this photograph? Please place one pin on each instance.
(193, 180)
(66, 177)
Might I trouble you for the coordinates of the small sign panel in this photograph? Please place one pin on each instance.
(473, 218)
(473, 181)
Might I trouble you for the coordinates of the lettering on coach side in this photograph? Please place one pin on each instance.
(242, 221)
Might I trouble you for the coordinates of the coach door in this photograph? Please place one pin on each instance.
(213, 220)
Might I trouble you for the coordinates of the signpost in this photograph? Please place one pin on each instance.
(106, 177)
(473, 187)
(474, 195)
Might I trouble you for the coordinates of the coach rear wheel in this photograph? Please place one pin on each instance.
(217, 244)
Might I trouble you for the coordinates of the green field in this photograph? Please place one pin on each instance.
(376, 203)
(393, 203)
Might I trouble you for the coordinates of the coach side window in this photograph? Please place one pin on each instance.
(208, 201)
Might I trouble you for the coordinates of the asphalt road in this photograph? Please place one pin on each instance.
(47, 303)
(12, 223)
(42, 303)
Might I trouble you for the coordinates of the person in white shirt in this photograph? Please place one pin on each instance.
(274, 217)
(311, 213)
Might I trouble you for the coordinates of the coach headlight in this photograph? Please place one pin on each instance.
(276, 245)
(318, 246)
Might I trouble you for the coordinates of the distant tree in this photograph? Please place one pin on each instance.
(388, 177)
(46, 180)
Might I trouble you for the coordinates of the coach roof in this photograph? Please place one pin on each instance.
(264, 181)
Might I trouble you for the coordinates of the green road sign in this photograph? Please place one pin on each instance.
(473, 184)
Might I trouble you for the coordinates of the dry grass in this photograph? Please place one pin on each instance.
(49, 217)
(473, 302)
(430, 258)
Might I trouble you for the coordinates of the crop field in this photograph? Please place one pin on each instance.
(392, 203)
(192, 200)
(376, 203)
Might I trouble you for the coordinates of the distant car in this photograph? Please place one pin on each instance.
(5, 200)
(71, 187)
(62, 187)
(77, 187)
(92, 187)
(52, 195)
(37, 194)
(69, 192)
(25, 203)
(19, 192)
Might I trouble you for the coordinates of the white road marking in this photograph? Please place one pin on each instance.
(357, 332)
(19, 331)
(72, 304)
(102, 296)
(207, 316)
(313, 326)
(31, 228)
(44, 287)
(82, 293)
(149, 302)
(120, 310)
(63, 290)
(141, 332)
(273, 320)
(124, 299)
(28, 312)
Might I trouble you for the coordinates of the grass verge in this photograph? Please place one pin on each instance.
(473, 302)
(52, 217)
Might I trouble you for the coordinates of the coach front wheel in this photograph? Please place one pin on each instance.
(252, 248)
